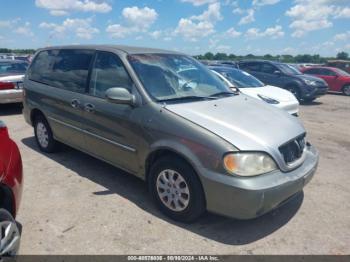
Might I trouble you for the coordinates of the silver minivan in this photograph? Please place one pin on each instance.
(166, 118)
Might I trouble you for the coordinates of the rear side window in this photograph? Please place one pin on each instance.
(312, 71)
(268, 69)
(327, 72)
(108, 72)
(65, 69)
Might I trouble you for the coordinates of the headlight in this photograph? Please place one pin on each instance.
(310, 82)
(249, 163)
(268, 99)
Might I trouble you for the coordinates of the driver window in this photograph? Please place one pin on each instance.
(268, 69)
(108, 71)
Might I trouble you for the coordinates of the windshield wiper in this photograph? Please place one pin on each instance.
(224, 93)
(183, 98)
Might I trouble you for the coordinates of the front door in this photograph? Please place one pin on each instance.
(112, 133)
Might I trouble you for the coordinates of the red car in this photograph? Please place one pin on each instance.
(337, 79)
(11, 179)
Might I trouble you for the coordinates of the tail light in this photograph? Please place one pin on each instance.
(7, 85)
(3, 130)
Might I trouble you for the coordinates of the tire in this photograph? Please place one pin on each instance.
(309, 100)
(346, 90)
(187, 201)
(43, 135)
(295, 91)
(10, 234)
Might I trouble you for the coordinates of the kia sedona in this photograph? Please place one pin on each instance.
(304, 87)
(251, 86)
(167, 119)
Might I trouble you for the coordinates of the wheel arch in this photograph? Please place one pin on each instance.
(7, 199)
(34, 113)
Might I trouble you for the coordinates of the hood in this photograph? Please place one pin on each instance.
(246, 123)
(312, 78)
(273, 92)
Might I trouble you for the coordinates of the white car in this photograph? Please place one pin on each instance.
(253, 87)
(11, 80)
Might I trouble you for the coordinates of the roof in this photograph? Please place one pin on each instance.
(126, 49)
(223, 68)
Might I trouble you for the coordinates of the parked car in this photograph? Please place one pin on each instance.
(253, 87)
(337, 79)
(304, 87)
(198, 145)
(10, 193)
(11, 80)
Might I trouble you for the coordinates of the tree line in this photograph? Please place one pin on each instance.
(305, 58)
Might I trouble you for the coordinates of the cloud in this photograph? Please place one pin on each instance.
(81, 27)
(199, 2)
(264, 2)
(141, 18)
(136, 20)
(249, 18)
(62, 7)
(24, 30)
(272, 32)
(310, 15)
(201, 25)
(192, 31)
(231, 32)
(342, 36)
(211, 15)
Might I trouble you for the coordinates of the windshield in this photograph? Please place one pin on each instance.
(172, 77)
(342, 72)
(13, 68)
(289, 70)
(240, 78)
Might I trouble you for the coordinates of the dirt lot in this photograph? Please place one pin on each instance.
(75, 204)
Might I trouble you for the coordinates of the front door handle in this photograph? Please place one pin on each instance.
(89, 108)
(75, 103)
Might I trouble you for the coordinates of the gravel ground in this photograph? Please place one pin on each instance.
(75, 204)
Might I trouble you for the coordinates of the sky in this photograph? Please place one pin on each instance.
(192, 26)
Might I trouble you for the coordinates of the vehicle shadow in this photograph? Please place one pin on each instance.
(211, 226)
(312, 103)
(10, 109)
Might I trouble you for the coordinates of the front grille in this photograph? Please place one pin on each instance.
(293, 150)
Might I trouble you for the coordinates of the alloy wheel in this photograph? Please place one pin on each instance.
(173, 190)
(9, 238)
(42, 134)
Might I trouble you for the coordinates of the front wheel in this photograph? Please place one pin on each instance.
(176, 189)
(9, 234)
(346, 90)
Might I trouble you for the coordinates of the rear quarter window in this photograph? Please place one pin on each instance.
(65, 69)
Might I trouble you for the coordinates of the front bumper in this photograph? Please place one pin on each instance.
(250, 197)
(11, 96)
(317, 92)
(292, 107)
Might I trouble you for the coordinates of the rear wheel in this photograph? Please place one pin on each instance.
(9, 234)
(43, 135)
(176, 189)
(346, 90)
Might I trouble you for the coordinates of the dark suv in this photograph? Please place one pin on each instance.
(304, 87)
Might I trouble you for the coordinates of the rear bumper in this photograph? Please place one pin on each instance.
(11, 96)
(246, 198)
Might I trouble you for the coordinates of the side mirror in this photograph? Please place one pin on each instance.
(277, 72)
(120, 95)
